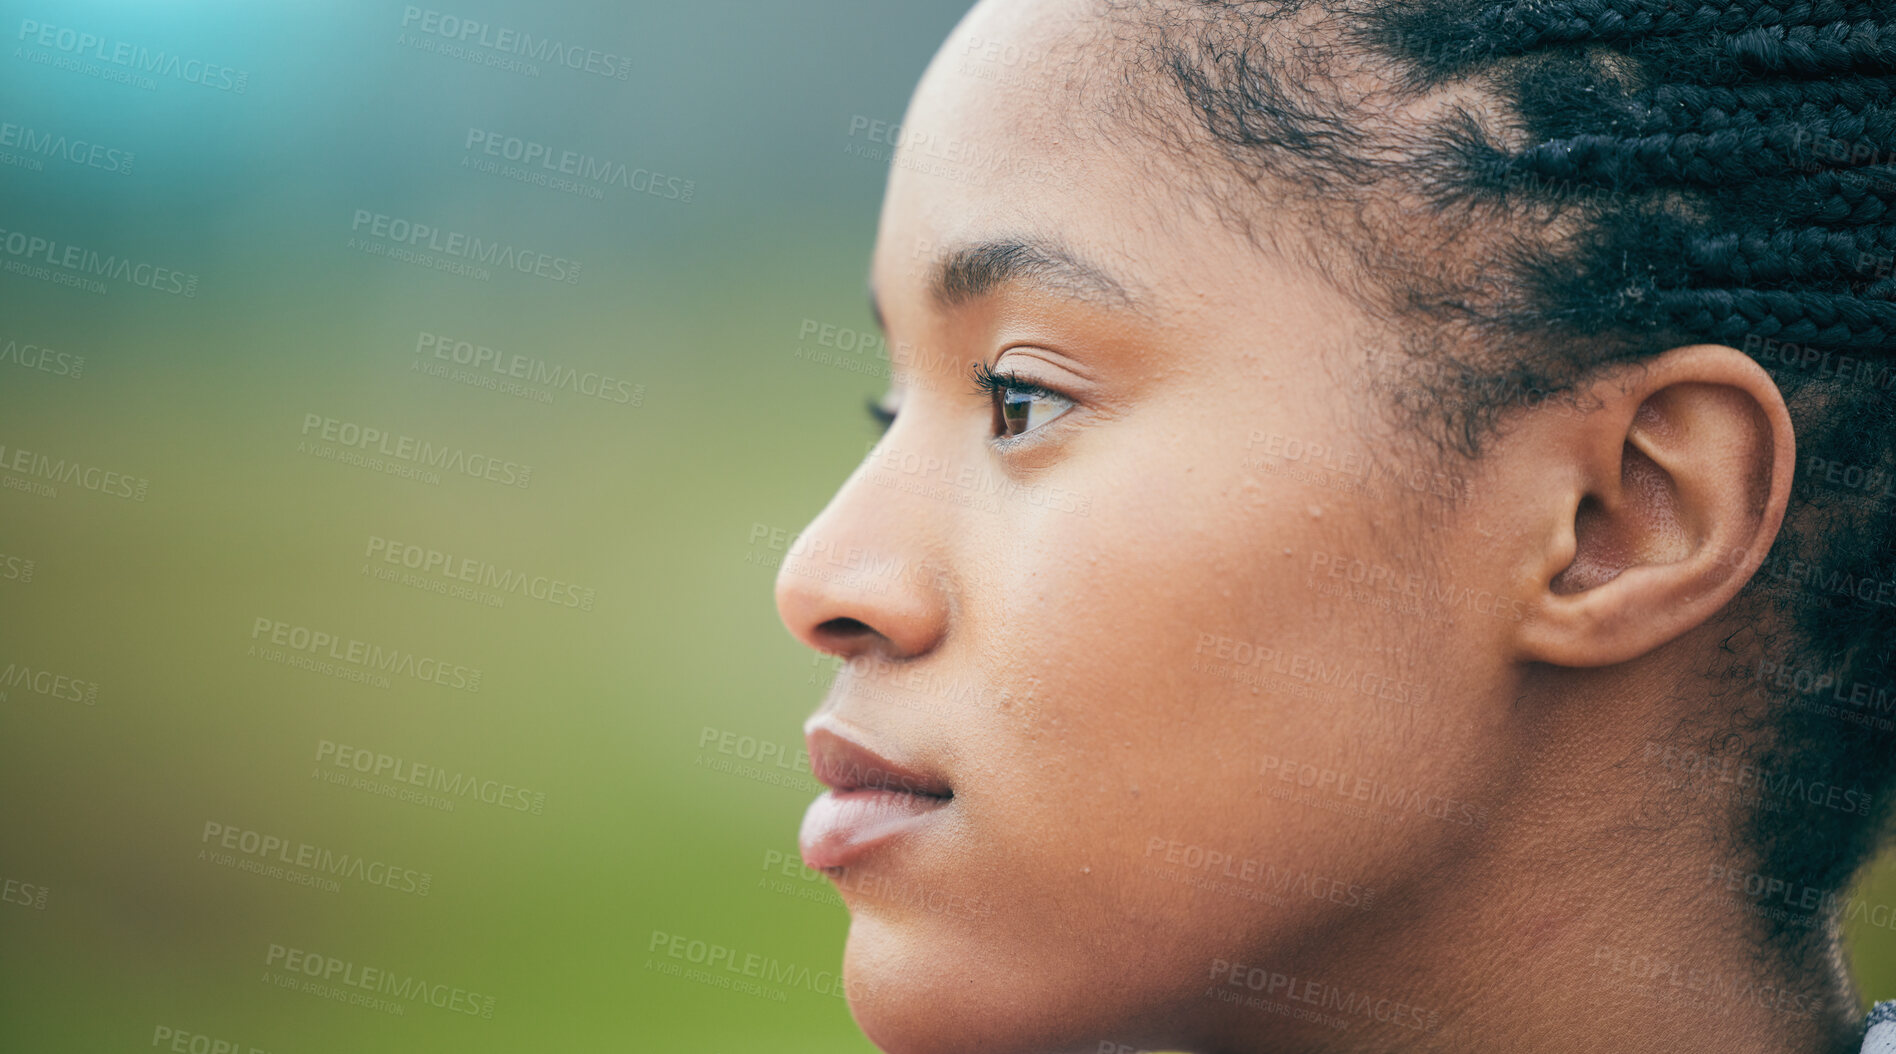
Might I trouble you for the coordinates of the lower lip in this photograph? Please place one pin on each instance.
(842, 825)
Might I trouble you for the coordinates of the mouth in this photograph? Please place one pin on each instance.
(871, 801)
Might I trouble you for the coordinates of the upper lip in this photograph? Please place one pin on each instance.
(843, 764)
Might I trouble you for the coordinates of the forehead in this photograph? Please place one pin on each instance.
(1009, 138)
(1018, 136)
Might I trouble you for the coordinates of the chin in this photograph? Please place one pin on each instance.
(912, 991)
(917, 989)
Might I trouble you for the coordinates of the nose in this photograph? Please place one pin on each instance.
(861, 581)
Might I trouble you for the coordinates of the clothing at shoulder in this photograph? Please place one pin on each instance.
(1879, 1030)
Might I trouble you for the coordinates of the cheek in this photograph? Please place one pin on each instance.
(1180, 660)
(1149, 632)
(1162, 613)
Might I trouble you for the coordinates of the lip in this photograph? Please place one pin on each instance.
(871, 800)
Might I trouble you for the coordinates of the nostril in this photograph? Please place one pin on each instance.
(843, 627)
(844, 636)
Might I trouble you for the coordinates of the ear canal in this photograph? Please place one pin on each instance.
(1641, 526)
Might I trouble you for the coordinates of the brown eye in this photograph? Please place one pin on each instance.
(1020, 406)
(1019, 409)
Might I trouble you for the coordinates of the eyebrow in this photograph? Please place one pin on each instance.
(972, 271)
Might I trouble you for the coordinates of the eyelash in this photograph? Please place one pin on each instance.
(987, 381)
(992, 384)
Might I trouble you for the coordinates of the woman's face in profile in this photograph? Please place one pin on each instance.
(1154, 637)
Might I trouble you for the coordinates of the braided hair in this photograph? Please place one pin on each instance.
(1609, 179)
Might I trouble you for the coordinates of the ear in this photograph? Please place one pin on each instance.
(1650, 505)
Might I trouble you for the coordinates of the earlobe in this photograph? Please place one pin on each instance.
(1673, 487)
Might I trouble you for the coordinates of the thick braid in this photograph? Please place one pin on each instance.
(1727, 16)
(1697, 44)
(1771, 258)
(1808, 122)
(1725, 173)
(1686, 102)
(1851, 198)
(1815, 319)
(1714, 158)
(1531, 25)
(1832, 48)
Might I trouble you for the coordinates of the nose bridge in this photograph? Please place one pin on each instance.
(863, 576)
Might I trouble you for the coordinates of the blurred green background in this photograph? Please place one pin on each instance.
(200, 295)
(689, 310)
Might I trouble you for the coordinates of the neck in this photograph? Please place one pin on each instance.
(1550, 956)
(1606, 907)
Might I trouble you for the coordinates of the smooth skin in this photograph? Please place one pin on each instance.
(1241, 696)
